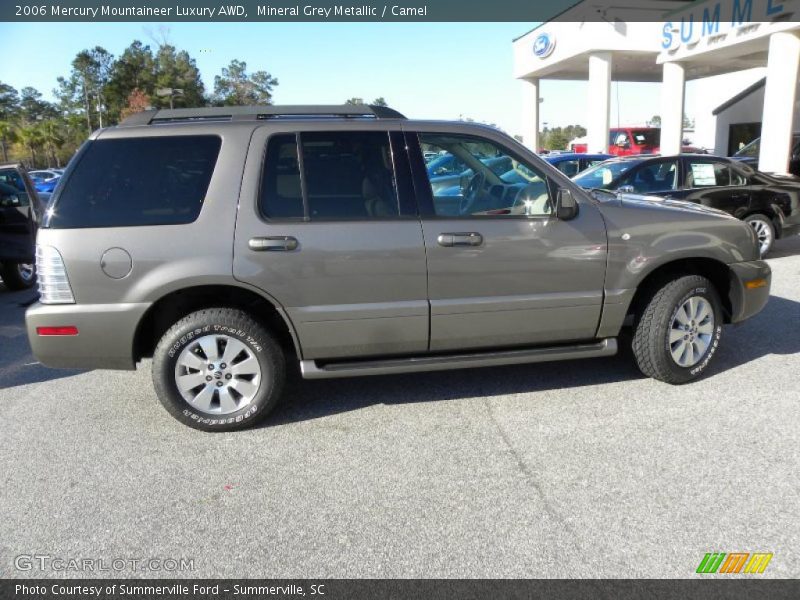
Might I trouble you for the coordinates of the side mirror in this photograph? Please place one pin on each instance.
(625, 189)
(566, 206)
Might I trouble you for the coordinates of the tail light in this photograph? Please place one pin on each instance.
(54, 285)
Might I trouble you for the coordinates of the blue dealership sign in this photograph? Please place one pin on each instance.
(543, 45)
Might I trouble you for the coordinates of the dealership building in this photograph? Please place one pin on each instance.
(741, 56)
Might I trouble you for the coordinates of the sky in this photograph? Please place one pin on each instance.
(424, 70)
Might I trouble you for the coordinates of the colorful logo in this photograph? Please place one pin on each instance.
(543, 45)
(734, 562)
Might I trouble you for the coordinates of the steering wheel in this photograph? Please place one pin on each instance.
(470, 194)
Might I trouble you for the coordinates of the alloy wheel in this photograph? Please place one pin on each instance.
(217, 374)
(691, 331)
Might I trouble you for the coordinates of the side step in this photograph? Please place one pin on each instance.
(310, 369)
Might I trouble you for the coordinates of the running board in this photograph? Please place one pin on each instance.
(310, 369)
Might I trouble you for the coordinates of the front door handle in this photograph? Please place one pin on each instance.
(279, 243)
(471, 238)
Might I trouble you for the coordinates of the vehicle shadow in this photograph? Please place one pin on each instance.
(769, 332)
(17, 363)
(789, 246)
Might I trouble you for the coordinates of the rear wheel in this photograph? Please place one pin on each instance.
(677, 333)
(18, 275)
(765, 232)
(218, 370)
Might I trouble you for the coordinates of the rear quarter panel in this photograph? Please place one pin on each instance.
(164, 258)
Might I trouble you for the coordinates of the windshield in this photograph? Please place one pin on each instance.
(600, 176)
(751, 149)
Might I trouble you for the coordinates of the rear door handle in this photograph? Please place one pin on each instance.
(279, 243)
(471, 238)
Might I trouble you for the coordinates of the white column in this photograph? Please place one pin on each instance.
(600, 64)
(672, 95)
(779, 97)
(530, 114)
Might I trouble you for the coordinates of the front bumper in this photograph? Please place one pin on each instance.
(105, 337)
(749, 289)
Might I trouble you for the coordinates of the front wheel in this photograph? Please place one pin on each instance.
(218, 370)
(677, 333)
(18, 275)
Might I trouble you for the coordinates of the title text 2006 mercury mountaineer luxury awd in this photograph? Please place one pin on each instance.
(226, 242)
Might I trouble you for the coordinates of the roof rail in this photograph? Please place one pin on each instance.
(259, 113)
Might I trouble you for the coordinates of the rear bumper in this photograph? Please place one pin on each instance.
(105, 337)
(749, 291)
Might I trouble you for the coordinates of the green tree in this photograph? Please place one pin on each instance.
(135, 69)
(9, 107)
(31, 138)
(380, 101)
(235, 87)
(51, 139)
(85, 87)
(177, 70)
(655, 121)
(32, 108)
(9, 101)
(7, 136)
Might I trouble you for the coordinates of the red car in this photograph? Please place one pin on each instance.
(628, 141)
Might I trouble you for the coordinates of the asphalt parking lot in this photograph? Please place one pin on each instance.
(574, 469)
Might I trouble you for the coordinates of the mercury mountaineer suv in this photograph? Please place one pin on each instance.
(231, 244)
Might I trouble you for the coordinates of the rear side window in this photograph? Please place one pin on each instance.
(137, 181)
(334, 175)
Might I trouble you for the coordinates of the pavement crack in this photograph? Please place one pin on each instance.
(529, 475)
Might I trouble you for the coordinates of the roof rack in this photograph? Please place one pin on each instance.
(260, 113)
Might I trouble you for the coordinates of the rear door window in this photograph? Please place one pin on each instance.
(704, 173)
(347, 175)
(137, 181)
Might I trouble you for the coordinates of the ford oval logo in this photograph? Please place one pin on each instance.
(543, 45)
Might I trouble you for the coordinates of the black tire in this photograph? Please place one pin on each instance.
(652, 326)
(762, 223)
(13, 275)
(232, 323)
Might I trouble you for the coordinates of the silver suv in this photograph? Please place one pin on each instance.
(230, 244)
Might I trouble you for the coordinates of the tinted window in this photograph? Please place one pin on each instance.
(568, 167)
(281, 190)
(493, 183)
(137, 181)
(657, 176)
(344, 175)
(11, 197)
(13, 178)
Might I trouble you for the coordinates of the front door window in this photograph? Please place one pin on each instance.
(491, 182)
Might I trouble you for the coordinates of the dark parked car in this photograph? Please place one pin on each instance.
(20, 212)
(573, 163)
(750, 154)
(769, 204)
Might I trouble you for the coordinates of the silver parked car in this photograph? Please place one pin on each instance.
(227, 243)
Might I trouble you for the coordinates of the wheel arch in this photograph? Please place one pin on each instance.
(714, 270)
(176, 304)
